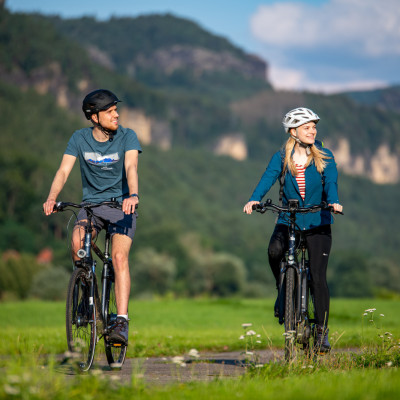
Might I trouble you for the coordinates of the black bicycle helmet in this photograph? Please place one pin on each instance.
(98, 100)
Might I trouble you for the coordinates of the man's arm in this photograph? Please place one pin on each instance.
(59, 180)
(131, 164)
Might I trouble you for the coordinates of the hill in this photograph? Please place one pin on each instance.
(386, 99)
(217, 96)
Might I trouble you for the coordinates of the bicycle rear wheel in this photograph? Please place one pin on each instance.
(290, 314)
(115, 352)
(81, 320)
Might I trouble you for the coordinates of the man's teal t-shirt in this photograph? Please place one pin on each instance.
(102, 163)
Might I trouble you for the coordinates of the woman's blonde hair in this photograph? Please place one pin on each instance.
(316, 156)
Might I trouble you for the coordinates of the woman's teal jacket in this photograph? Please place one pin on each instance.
(319, 187)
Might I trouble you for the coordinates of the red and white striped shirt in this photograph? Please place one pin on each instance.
(301, 180)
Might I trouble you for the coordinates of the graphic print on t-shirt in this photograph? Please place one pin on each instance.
(102, 161)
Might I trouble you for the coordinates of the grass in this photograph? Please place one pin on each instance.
(25, 380)
(170, 327)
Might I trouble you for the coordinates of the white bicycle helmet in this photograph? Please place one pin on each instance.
(297, 117)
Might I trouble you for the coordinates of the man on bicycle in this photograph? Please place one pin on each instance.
(108, 157)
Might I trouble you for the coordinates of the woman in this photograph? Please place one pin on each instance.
(310, 175)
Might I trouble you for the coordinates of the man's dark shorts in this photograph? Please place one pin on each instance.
(118, 221)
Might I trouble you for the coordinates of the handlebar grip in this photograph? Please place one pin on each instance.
(58, 206)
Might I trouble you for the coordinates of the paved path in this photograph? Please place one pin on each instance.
(157, 370)
(207, 367)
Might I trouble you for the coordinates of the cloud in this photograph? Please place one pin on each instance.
(293, 79)
(369, 27)
(330, 46)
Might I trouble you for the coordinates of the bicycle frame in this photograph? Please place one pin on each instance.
(300, 268)
(296, 315)
(98, 311)
(107, 272)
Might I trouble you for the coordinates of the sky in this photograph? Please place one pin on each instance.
(324, 46)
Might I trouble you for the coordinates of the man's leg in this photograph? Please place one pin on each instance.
(78, 238)
(121, 245)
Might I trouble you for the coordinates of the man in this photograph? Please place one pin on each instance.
(108, 156)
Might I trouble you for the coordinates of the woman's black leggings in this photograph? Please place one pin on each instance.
(319, 242)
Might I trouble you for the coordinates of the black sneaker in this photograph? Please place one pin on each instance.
(321, 343)
(119, 332)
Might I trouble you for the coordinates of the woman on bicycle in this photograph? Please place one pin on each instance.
(308, 173)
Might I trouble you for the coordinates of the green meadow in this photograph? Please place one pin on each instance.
(170, 326)
(34, 331)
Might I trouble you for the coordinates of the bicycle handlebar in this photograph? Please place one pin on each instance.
(61, 205)
(292, 207)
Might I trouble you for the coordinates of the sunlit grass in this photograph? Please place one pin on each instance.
(29, 378)
(33, 338)
(172, 327)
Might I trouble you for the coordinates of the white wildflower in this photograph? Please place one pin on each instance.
(389, 364)
(177, 360)
(12, 390)
(258, 341)
(194, 353)
(241, 337)
(13, 378)
(382, 315)
(247, 325)
(250, 333)
(249, 353)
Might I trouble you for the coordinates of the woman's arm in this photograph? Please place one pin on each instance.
(269, 177)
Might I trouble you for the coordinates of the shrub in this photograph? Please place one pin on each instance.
(218, 274)
(50, 284)
(17, 273)
(153, 272)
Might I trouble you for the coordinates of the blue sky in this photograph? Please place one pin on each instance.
(318, 45)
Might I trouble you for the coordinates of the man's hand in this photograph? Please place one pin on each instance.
(129, 205)
(248, 208)
(48, 207)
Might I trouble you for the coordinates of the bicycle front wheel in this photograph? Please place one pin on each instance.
(290, 314)
(81, 320)
(115, 352)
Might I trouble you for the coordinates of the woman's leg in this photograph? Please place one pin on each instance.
(319, 242)
(277, 246)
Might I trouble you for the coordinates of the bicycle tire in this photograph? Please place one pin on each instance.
(290, 314)
(80, 320)
(115, 352)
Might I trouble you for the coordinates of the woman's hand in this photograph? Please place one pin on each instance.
(337, 208)
(248, 208)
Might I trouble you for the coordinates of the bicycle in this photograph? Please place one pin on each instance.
(295, 297)
(86, 312)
